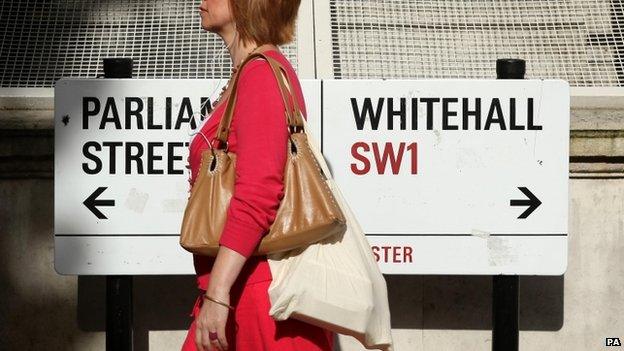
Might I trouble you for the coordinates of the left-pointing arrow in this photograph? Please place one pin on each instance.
(91, 202)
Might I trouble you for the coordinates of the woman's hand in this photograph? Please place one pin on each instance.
(212, 318)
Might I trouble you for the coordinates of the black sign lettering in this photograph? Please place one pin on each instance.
(112, 154)
(110, 114)
(134, 156)
(469, 111)
(136, 113)
(151, 157)
(171, 158)
(92, 157)
(87, 111)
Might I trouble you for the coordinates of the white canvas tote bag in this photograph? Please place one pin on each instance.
(336, 283)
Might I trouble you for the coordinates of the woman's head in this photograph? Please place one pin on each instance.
(256, 21)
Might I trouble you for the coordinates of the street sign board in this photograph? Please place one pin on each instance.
(120, 181)
(454, 176)
(445, 176)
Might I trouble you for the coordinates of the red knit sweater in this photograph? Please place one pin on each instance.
(259, 138)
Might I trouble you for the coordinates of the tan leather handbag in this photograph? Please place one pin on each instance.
(308, 212)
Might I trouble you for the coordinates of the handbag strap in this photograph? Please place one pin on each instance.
(293, 115)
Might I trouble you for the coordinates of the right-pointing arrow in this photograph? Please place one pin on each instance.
(533, 202)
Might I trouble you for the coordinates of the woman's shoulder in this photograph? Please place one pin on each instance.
(256, 68)
(258, 74)
(259, 68)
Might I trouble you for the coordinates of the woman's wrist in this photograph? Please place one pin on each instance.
(218, 290)
(220, 302)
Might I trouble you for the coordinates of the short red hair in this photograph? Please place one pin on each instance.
(265, 21)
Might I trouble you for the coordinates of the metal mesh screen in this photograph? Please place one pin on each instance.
(43, 41)
(580, 41)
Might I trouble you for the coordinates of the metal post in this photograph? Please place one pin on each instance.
(505, 313)
(119, 312)
(505, 331)
(119, 327)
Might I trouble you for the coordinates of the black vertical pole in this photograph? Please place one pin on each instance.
(118, 287)
(505, 331)
(505, 313)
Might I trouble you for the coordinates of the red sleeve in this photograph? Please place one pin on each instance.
(261, 155)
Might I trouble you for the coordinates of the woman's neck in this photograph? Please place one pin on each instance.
(239, 50)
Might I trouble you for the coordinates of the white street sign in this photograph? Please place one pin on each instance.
(454, 176)
(432, 199)
(120, 181)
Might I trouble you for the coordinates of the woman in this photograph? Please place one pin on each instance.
(258, 136)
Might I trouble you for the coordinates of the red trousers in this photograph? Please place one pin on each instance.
(251, 328)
